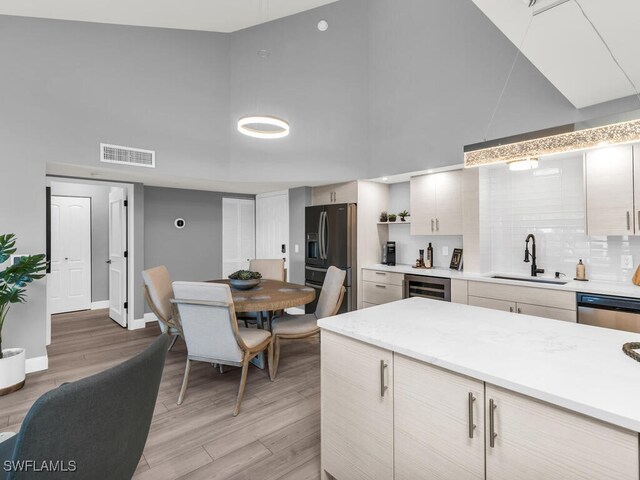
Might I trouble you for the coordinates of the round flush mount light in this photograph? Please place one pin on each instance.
(180, 223)
(266, 127)
(522, 165)
(323, 25)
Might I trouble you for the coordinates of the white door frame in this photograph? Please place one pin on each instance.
(132, 323)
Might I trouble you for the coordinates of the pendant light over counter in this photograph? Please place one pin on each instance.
(266, 127)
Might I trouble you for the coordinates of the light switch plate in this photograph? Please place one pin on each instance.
(445, 251)
(296, 248)
(626, 261)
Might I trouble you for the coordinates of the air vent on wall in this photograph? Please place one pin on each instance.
(127, 156)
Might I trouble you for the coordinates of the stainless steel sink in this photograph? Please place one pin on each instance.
(550, 281)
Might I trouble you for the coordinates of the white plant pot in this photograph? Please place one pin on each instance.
(12, 370)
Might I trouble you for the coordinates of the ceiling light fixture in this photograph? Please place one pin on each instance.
(522, 165)
(266, 127)
(263, 126)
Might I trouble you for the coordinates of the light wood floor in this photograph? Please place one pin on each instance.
(276, 436)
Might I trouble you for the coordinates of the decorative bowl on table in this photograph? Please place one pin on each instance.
(245, 279)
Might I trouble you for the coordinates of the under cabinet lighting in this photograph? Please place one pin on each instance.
(521, 165)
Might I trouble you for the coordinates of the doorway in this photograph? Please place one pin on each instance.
(102, 242)
(238, 234)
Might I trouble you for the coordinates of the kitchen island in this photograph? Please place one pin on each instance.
(426, 389)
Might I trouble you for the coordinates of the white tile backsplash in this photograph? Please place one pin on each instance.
(407, 245)
(549, 202)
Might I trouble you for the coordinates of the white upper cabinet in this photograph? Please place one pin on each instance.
(338, 193)
(610, 191)
(436, 204)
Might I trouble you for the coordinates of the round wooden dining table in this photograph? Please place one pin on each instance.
(270, 296)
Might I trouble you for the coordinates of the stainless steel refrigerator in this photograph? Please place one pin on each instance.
(331, 241)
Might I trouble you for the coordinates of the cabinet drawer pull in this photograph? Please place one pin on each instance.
(381, 286)
(519, 310)
(432, 224)
(628, 221)
(383, 386)
(380, 273)
(492, 426)
(472, 425)
(511, 309)
(437, 225)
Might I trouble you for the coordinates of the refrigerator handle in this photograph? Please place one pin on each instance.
(325, 243)
(320, 235)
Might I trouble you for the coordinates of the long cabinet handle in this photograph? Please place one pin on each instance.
(383, 385)
(472, 426)
(492, 426)
(437, 225)
(511, 309)
(432, 225)
(638, 226)
(628, 220)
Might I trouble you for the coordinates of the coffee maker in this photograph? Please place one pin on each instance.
(389, 254)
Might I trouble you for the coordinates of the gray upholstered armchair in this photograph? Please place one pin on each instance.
(97, 426)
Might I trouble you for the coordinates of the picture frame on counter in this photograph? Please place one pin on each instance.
(456, 259)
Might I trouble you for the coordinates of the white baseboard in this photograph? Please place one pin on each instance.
(37, 364)
(100, 305)
(150, 317)
(137, 324)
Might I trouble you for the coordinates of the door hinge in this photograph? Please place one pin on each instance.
(126, 305)
(126, 254)
(126, 203)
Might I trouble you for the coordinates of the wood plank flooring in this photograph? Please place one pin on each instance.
(275, 437)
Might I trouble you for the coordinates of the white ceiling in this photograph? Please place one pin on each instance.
(566, 48)
(207, 15)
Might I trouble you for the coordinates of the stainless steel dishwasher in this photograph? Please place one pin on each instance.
(619, 313)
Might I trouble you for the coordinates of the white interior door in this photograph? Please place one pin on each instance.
(117, 256)
(69, 284)
(272, 226)
(238, 234)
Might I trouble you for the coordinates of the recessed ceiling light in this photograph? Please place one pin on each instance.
(385, 179)
(323, 25)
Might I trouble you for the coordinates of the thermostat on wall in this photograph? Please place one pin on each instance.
(180, 223)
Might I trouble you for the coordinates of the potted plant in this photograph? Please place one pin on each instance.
(384, 217)
(403, 215)
(392, 217)
(13, 282)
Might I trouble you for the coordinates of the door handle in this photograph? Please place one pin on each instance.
(472, 425)
(108, 261)
(284, 248)
(492, 425)
(383, 386)
(66, 258)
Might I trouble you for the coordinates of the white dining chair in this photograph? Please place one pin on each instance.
(293, 327)
(158, 293)
(212, 334)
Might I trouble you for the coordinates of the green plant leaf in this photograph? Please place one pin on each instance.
(7, 246)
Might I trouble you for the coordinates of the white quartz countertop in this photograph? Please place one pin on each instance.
(578, 367)
(596, 287)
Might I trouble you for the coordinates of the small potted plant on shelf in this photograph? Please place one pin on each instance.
(13, 282)
(403, 215)
(392, 217)
(383, 217)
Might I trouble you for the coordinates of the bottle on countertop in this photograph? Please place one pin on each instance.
(581, 271)
(430, 256)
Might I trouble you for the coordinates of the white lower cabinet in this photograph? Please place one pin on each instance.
(439, 423)
(534, 440)
(357, 410)
(493, 304)
(386, 416)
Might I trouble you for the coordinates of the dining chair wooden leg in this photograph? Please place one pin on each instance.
(276, 355)
(173, 342)
(185, 381)
(243, 384)
(270, 355)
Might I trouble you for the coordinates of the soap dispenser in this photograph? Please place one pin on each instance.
(581, 272)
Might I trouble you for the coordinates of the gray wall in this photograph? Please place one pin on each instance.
(195, 252)
(99, 195)
(299, 199)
